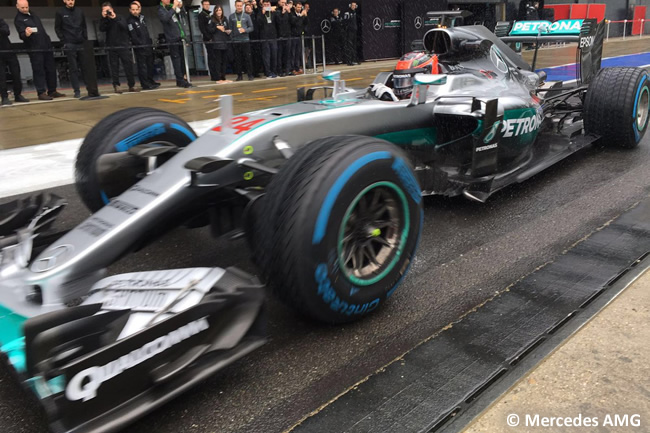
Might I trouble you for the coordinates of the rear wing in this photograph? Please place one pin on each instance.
(588, 34)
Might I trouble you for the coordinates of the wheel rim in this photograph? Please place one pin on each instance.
(642, 109)
(373, 233)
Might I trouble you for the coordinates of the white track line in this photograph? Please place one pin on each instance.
(33, 168)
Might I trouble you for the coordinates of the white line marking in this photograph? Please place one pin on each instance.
(32, 168)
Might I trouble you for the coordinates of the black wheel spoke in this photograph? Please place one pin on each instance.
(370, 235)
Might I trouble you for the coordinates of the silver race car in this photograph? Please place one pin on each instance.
(333, 221)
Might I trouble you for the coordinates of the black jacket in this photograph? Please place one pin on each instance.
(171, 24)
(267, 23)
(337, 26)
(5, 43)
(37, 41)
(138, 31)
(220, 38)
(298, 24)
(284, 24)
(350, 18)
(204, 25)
(70, 25)
(117, 32)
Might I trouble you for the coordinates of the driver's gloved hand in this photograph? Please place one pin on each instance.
(383, 92)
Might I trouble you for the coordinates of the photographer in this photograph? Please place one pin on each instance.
(169, 15)
(267, 23)
(33, 34)
(117, 44)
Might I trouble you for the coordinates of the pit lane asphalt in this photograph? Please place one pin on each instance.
(468, 253)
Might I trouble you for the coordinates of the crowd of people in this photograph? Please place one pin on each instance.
(257, 38)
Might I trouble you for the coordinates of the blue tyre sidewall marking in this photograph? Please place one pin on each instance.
(138, 137)
(642, 86)
(335, 190)
(184, 130)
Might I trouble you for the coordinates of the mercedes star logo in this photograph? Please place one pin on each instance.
(418, 22)
(325, 26)
(49, 262)
(376, 23)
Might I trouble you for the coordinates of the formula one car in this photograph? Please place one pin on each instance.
(333, 221)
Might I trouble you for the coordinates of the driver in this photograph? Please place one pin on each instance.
(402, 79)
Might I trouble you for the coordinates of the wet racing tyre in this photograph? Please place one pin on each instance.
(98, 182)
(339, 227)
(616, 106)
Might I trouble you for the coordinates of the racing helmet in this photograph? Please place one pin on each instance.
(409, 65)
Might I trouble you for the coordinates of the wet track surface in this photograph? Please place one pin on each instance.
(469, 252)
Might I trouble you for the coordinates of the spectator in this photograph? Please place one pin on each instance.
(168, 13)
(33, 34)
(284, 33)
(298, 24)
(8, 58)
(143, 46)
(221, 39)
(117, 43)
(336, 36)
(351, 28)
(241, 25)
(208, 32)
(532, 13)
(308, 32)
(70, 27)
(267, 22)
(252, 10)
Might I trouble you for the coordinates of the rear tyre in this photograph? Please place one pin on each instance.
(118, 133)
(339, 227)
(617, 106)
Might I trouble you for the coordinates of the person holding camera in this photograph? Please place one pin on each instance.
(70, 27)
(267, 23)
(117, 45)
(9, 59)
(241, 25)
(31, 31)
(144, 56)
(170, 18)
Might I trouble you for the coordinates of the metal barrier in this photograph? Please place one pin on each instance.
(159, 48)
(625, 24)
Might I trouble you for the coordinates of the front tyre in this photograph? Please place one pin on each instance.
(617, 105)
(341, 224)
(97, 182)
